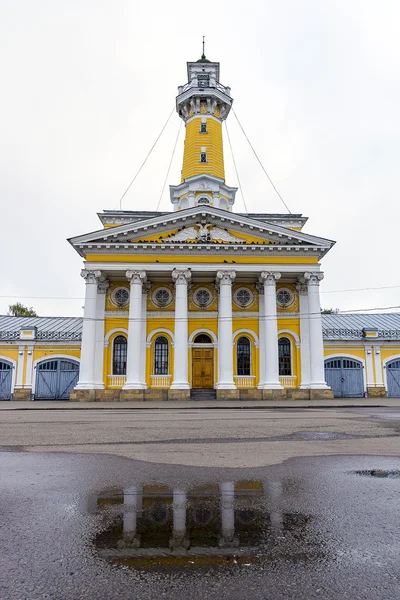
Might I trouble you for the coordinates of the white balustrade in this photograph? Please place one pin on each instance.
(245, 381)
(289, 381)
(160, 381)
(116, 381)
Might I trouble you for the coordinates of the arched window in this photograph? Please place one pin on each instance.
(243, 356)
(161, 356)
(202, 338)
(285, 359)
(119, 355)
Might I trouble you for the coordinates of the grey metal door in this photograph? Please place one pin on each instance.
(345, 377)
(5, 380)
(55, 378)
(393, 378)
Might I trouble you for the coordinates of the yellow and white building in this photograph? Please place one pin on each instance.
(200, 300)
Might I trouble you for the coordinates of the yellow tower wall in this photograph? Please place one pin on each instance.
(195, 141)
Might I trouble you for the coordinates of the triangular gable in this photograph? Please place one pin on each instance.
(156, 229)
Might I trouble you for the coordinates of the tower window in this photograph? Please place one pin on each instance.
(204, 80)
(203, 128)
(203, 157)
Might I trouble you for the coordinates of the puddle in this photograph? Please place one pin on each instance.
(233, 523)
(378, 473)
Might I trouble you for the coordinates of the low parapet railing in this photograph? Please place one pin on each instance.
(9, 335)
(116, 381)
(160, 381)
(288, 381)
(245, 381)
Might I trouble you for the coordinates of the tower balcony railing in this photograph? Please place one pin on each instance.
(211, 84)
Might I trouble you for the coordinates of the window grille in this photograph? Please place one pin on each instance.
(243, 356)
(161, 356)
(119, 355)
(284, 354)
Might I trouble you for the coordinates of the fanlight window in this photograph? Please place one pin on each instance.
(285, 359)
(119, 355)
(203, 199)
(161, 356)
(243, 356)
(243, 296)
(203, 297)
(162, 297)
(284, 298)
(203, 338)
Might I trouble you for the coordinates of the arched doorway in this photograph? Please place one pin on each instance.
(5, 379)
(345, 377)
(393, 378)
(55, 378)
(202, 362)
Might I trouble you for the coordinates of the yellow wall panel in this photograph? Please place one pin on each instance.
(195, 141)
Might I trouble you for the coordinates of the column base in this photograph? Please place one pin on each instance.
(22, 393)
(228, 394)
(180, 385)
(134, 386)
(85, 385)
(178, 394)
(225, 385)
(376, 392)
(318, 385)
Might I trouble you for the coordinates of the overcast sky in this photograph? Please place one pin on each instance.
(88, 84)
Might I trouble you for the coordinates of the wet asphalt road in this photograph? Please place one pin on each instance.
(341, 539)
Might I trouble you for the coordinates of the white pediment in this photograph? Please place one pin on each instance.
(200, 225)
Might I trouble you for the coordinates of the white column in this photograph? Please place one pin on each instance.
(369, 366)
(315, 323)
(146, 288)
(305, 361)
(227, 512)
(179, 517)
(378, 367)
(225, 352)
(271, 331)
(261, 333)
(133, 362)
(181, 278)
(99, 347)
(86, 369)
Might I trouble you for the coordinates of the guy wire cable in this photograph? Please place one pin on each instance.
(262, 166)
(170, 163)
(145, 160)
(236, 169)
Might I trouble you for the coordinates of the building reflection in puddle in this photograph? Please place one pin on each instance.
(240, 522)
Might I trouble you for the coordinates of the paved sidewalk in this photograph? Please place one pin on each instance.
(209, 404)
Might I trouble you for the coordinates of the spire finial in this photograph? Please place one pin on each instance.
(203, 55)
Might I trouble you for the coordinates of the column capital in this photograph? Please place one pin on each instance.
(312, 278)
(181, 276)
(91, 276)
(103, 286)
(269, 277)
(302, 287)
(136, 277)
(225, 277)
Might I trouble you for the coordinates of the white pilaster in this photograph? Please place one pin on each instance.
(305, 358)
(99, 347)
(225, 353)
(369, 366)
(86, 369)
(378, 367)
(268, 279)
(134, 364)
(29, 367)
(20, 367)
(181, 278)
(315, 324)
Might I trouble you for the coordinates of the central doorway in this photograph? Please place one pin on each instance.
(202, 363)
